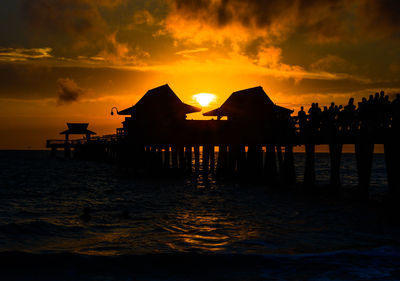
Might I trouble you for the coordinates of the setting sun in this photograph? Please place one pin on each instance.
(204, 99)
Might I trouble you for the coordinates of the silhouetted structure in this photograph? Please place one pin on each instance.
(77, 129)
(374, 121)
(157, 137)
(255, 121)
(251, 105)
(158, 114)
(73, 129)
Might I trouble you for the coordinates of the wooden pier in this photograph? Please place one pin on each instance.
(255, 142)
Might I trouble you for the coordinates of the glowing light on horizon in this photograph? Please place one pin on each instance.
(204, 99)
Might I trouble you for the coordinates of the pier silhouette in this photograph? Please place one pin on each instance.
(253, 136)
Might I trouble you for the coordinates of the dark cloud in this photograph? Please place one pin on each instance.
(329, 20)
(69, 17)
(381, 17)
(30, 81)
(68, 91)
(87, 28)
(279, 15)
(333, 64)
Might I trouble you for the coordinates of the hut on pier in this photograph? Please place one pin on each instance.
(159, 114)
(254, 121)
(252, 113)
(77, 129)
(251, 104)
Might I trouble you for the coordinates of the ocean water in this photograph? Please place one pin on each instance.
(194, 227)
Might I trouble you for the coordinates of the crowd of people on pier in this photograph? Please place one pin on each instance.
(372, 115)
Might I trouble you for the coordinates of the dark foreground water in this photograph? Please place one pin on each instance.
(187, 228)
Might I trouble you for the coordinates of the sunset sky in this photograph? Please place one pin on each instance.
(73, 60)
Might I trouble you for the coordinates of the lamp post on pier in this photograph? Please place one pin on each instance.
(112, 110)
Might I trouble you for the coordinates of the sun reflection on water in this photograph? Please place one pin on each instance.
(199, 232)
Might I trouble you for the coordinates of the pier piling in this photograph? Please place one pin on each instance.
(196, 157)
(174, 152)
(53, 151)
(280, 159)
(212, 158)
(335, 154)
(289, 173)
(222, 155)
(166, 157)
(206, 157)
(181, 158)
(188, 157)
(364, 153)
(270, 168)
(309, 171)
(392, 158)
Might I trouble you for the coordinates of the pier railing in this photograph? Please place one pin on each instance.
(76, 142)
(63, 143)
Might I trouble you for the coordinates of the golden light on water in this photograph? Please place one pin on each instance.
(204, 99)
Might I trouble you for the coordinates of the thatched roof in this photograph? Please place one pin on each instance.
(160, 99)
(77, 129)
(249, 103)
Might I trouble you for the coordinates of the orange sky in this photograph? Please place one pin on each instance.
(72, 60)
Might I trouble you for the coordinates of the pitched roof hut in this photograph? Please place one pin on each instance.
(250, 105)
(160, 102)
(77, 129)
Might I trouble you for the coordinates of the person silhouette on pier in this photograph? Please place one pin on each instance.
(395, 112)
(348, 116)
(384, 111)
(326, 122)
(362, 113)
(382, 98)
(371, 99)
(302, 116)
(314, 115)
(376, 98)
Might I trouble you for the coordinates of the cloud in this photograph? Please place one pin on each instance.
(274, 34)
(143, 17)
(192, 51)
(274, 19)
(74, 18)
(22, 54)
(266, 64)
(322, 21)
(261, 35)
(68, 91)
(380, 18)
(87, 31)
(122, 54)
(333, 64)
(189, 53)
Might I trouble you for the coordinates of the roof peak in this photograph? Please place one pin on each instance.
(249, 89)
(247, 102)
(159, 99)
(77, 128)
(161, 86)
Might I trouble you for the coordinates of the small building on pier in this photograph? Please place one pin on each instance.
(251, 104)
(67, 144)
(158, 104)
(252, 116)
(159, 113)
(77, 129)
